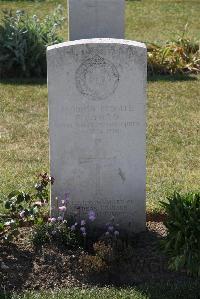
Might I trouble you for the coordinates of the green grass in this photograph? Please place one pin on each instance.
(158, 20)
(24, 134)
(173, 137)
(156, 291)
(173, 112)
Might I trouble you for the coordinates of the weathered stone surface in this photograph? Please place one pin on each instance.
(96, 19)
(97, 97)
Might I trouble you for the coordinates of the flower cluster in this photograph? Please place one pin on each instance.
(112, 229)
(25, 208)
(79, 225)
(82, 224)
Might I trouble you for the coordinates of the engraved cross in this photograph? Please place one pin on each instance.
(96, 159)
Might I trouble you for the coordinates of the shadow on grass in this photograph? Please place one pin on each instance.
(24, 81)
(144, 262)
(171, 289)
(150, 78)
(171, 78)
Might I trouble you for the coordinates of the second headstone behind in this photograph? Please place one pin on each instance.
(96, 19)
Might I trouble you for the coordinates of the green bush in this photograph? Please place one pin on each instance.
(23, 42)
(182, 243)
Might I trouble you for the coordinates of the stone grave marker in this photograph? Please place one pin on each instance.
(97, 97)
(96, 19)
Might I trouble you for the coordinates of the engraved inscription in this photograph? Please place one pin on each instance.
(97, 161)
(101, 118)
(105, 206)
(97, 78)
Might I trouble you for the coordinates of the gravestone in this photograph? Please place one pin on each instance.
(96, 19)
(97, 97)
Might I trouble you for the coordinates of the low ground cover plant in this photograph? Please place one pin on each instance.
(177, 56)
(23, 42)
(25, 209)
(101, 247)
(182, 243)
(104, 248)
(31, 209)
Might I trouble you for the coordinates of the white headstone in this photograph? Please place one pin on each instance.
(97, 97)
(96, 19)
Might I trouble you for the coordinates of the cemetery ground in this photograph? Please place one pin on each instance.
(173, 141)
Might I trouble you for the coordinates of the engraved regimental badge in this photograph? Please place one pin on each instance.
(97, 78)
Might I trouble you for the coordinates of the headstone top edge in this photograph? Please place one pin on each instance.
(97, 41)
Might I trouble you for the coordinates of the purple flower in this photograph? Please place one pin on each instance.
(73, 227)
(7, 223)
(38, 203)
(66, 199)
(92, 218)
(110, 228)
(107, 233)
(52, 220)
(62, 208)
(60, 218)
(82, 222)
(91, 215)
(116, 233)
(82, 229)
(66, 196)
(91, 212)
(22, 214)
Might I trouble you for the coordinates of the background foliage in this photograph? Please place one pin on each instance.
(178, 56)
(23, 42)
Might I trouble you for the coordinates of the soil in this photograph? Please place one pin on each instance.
(50, 267)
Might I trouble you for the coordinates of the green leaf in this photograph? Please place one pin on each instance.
(13, 194)
(8, 204)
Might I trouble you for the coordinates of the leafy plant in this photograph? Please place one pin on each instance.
(178, 56)
(182, 243)
(24, 208)
(58, 233)
(23, 42)
(62, 229)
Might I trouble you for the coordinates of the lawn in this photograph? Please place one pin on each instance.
(148, 291)
(172, 117)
